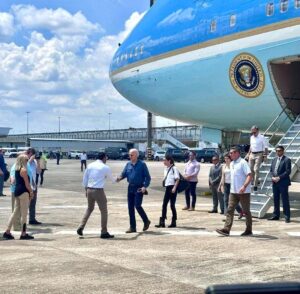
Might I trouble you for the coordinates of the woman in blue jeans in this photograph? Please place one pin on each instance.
(225, 185)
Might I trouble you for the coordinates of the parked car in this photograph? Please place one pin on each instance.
(159, 155)
(74, 154)
(11, 153)
(117, 153)
(177, 154)
(205, 155)
(92, 154)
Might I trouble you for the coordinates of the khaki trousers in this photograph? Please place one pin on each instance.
(234, 199)
(255, 161)
(17, 222)
(21, 206)
(96, 195)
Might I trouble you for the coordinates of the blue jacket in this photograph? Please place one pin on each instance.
(2, 164)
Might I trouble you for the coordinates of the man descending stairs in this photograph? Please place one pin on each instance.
(262, 200)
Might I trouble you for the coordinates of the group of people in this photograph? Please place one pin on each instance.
(24, 178)
(230, 184)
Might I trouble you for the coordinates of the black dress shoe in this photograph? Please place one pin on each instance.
(106, 236)
(130, 230)
(26, 237)
(223, 232)
(80, 231)
(273, 218)
(35, 222)
(212, 211)
(146, 226)
(8, 236)
(247, 233)
(287, 220)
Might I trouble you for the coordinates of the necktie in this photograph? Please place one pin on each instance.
(277, 166)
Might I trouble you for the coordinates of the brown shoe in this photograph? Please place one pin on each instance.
(191, 208)
(130, 230)
(247, 233)
(185, 208)
(223, 232)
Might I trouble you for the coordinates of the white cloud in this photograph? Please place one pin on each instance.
(6, 24)
(59, 21)
(51, 78)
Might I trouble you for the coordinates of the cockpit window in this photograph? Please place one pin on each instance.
(232, 20)
(270, 9)
(213, 26)
(297, 4)
(284, 5)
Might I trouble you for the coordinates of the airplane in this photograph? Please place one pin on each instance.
(222, 64)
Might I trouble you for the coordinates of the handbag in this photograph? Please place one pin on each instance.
(183, 184)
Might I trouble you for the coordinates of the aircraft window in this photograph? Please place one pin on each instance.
(284, 5)
(232, 20)
(297, 4)
(213, 26)
(270, 9)
(136, 51)
(142, 49)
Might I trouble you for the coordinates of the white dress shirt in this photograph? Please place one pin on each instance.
(83, 156)
(239, 170)
(258, 143)
(96, 174)
(173, 175)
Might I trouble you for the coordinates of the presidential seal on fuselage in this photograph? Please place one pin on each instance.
(247, 75)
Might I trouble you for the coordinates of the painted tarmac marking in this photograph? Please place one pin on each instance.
(294, 234)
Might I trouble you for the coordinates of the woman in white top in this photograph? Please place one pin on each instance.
(224, 186)
(170, 182)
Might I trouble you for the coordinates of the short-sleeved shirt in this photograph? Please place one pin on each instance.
(258, 143)
(239, 171)
(171, 176)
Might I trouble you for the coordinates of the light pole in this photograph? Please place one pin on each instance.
(27, 128)
(109, 114)
(59, 125)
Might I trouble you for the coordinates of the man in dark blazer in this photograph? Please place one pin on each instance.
(280, 172)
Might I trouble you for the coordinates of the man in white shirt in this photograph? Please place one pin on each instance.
(258, 150)
(93, 181)
(83, 158)
(239, 192)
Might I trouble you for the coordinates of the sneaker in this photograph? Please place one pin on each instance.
(247, 233)
(26, 237)
(146, 226)
(185, 208)
(223, 232)
(130, 230)
(7, 236)
(106, 236)
(80, 231)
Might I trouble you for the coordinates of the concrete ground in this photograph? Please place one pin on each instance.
(182, 260)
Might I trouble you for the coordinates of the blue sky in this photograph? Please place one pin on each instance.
(55, 56)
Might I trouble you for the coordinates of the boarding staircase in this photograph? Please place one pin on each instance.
(262, 200)
(165, 136)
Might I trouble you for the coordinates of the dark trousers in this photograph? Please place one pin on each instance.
(217, 197)
(226, 199)
(282, 190)
(135, 200)
(169, 196)
(42, 177)
(191, 191)
(57, 160)
(234, 199)
(83, 163)
(32, 206)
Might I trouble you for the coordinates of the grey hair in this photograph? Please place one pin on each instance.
(135, 151)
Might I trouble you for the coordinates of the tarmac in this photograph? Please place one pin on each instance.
(186, 259)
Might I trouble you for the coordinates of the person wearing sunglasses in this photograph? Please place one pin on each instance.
(280, 171)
